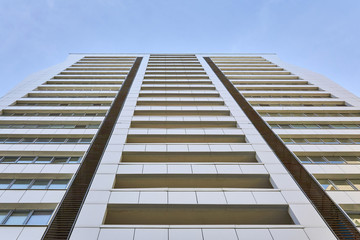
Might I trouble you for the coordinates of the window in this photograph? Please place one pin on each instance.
(343, 185)
(25, 160)
(318, 160)
(326, 184)
(33, 183)
(340, 184)
(40, 184)
(25, 217)
(20, 184)
(17, 218)
(321, 140)
(315, 126)
(39, 218)
(45, 140)
(5, 183)
(44, 126)
(43, 160)
(330, 159)
(266, 114)
(59, 184)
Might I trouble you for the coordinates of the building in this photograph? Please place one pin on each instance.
(179, 146)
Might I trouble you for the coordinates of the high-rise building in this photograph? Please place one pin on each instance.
(179, 147)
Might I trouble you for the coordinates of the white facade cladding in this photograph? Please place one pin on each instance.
(183, 160)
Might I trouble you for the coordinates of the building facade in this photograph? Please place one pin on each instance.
(179, 146)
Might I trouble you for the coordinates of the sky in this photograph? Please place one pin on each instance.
(320, 35)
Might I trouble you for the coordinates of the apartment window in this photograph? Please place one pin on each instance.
(315, 126)
(45, 140)
(54, 126)
(330, 159)
(321, 140)
(286, 96)
(25, 217)
(97, 96)
(340, 184)
(33, 183)
(63, 104)
(298, 104)
(265, 114)
(55, 114)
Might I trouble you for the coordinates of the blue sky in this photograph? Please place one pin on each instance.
(321, 35)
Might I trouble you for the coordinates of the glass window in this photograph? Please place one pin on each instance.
(300, 140)
(43, 160)
(93, 126)
(326, 185)
(2, 140)
(21, 184)
(80, 126)
(356, 140)
(314, 141)
(75, 159)
(287, 140)
(4, 183)
(304, 159)
(59, 184)
(284, 126)
(318, 159)
(26, 160)
(12, 140)
(330, 141)
(3, 215)
(56, 126)
(312, 126)
(274, 126)
(72, 140)
(9, 159)
(85, 140)
(343, 185)
(339, 126)
(39, 218)
(324, 126)
(43, 140)
(351, 159)
(58, 140)
(17, 218)
(351, 126)
(60, 160)
(344, 141)
(298, 126)
(40, 184)
(335, 160)
(28, 140)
